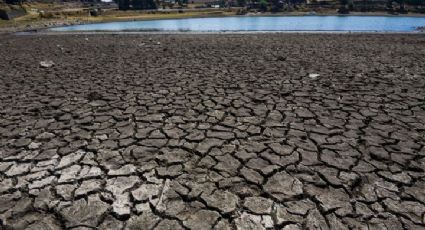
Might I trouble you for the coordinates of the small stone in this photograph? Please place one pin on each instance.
(46, 64)
(313, 76)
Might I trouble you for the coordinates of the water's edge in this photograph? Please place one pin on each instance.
(259, 24)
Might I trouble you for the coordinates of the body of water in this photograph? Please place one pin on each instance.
(262, 23)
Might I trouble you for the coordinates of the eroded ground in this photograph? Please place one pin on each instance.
(212, 131)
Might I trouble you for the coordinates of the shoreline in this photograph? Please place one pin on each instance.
(33, 27)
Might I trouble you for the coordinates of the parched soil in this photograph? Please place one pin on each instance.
(212, 131)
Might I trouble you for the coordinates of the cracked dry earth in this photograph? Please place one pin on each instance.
(212, 132)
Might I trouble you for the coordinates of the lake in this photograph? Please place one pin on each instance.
(262, 23)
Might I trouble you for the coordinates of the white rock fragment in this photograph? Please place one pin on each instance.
(46, 64)
(313, 76)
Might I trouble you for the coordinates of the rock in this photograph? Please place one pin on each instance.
(46, 64)
(313, 76)
(283, 186)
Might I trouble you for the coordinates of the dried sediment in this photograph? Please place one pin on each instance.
(212, 131)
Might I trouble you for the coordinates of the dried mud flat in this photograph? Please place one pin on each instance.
(212, 132)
